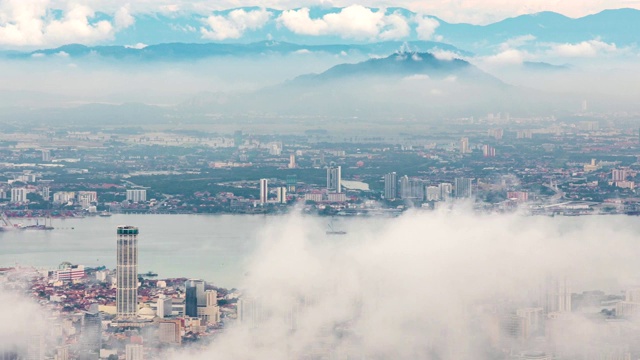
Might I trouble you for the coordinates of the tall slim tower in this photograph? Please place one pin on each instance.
(334, 179)
(127, 272)
(264, 191)
(390, 186)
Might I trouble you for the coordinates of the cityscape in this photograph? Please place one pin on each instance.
(319, 180)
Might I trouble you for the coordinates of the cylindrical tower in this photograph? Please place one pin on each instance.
(127, 272)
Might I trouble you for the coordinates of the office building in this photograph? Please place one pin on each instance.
(46, 193)
(334, 179)
(134, 352)
(463, 188)
(63, 197)
(390, 186)
(249, 311)
(195, 296)
(210, 312)
(127, 272)
(18, 195)
(618, 175)
(264, 191)
(137, 195)
(282, 195)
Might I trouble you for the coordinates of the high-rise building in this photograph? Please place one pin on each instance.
(46, 155)
(292, 181)
(62, 353)
(557, 295)
(210, 312)
(264, 191)
(134, 352)
(35, 348)
(46, 193)
(282, 195)
(195, 297)
(127, 272)
(292, 161)
(18, 195)
(91, 336)
(463, 188)
(137, 195)
(334, 179)
(433, 193)
(618, 175)
(405, 188)
(445, 191)
(249, 311)
(390, 186)
(464, 145)
(488, 151)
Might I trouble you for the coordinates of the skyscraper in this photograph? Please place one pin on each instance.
(405, 187)
(334, 179)
(134, 352)
(195, 297)
(292, 161)
(127, 272)
(264, 191)
(463, 188)
(390, 186)
(464, 145)
(91, 339)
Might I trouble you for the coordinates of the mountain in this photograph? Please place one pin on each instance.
(194, 51)
(403, 84)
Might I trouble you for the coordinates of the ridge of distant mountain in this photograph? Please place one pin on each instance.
(187, 51)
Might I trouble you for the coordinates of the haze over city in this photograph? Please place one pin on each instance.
(319, 180)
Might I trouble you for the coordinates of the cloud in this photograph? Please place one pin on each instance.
(422, 286)
(506, 57)
(30, 23)
(234, 25)
(123, 18)
(426, 27)
(445, 55)
(591, 48)
(353, 22)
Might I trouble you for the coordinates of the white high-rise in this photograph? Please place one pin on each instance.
(264, 191)
(137, 195)
(334, 179)
(18, 195)
(127, 273)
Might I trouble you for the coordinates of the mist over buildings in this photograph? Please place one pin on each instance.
(432, 286)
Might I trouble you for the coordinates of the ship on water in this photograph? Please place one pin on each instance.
(6, 225)
(333, 231)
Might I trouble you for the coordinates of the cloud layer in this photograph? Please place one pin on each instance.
(407, 288)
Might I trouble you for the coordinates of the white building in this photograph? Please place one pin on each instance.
(19, 195)
(164, 306)
(85, 198)
(334, 179)
(134, 352)
(137, 195)
(264, 191)
(282, 195)
(62, 197)
(433, 193)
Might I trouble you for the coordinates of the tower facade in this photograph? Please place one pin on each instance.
(264, 191)
(127, 272)
(334, 179)
(390, 186)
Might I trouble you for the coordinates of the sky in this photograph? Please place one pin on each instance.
(33, 23)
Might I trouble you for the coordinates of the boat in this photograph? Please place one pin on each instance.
(6, 225)
(333, 231)
(39, 226)
(104, 214)
(150, 274)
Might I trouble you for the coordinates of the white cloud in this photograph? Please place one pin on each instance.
(123, 18)
(30, 23)
(234, 25)
(445, 55)
(506, 57)
(589, 48)
(352, 22)
(426, 27)
(136, 46)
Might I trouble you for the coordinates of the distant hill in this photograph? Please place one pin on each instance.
(191, 51)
